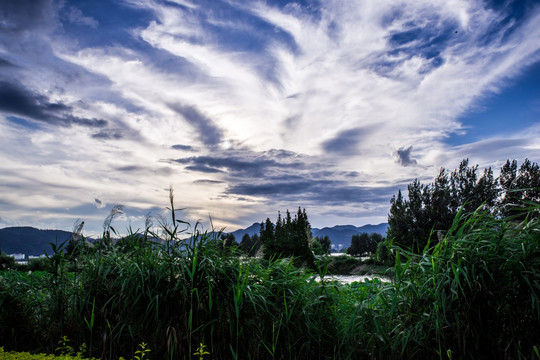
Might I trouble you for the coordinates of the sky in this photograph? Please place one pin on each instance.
(245, 108)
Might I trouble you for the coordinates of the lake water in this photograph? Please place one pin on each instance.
(347, 279)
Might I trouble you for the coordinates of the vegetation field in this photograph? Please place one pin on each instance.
(472, 295)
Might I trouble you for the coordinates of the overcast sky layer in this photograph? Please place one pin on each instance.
(250, 107)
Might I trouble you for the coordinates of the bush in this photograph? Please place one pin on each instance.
(343, 264)
(383, 255)
(38, 264)
(7, 262)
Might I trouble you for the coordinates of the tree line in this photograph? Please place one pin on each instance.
(430, 208)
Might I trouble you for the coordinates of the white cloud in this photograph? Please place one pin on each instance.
(317, 76)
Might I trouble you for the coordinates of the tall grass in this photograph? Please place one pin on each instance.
(475, 294)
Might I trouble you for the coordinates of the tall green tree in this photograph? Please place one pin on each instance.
(268, 239)
(326, 244)
(518, 186)
(290, 237)
(431, 208)
(364, 243)
(399, 221)
(250, 244)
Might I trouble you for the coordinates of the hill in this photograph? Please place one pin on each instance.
(30, 241)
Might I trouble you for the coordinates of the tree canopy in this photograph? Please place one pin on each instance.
(364, 243)
(289, 237)
(431, 208)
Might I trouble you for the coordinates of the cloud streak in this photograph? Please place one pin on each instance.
(16, 100)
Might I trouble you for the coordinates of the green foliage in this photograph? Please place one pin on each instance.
(38, 264)
(12, 355)
(383, 254)
(343, 265)
(7, 262)
(289, 238)
(250, 245)
(431, 208)
(324, 243)
(316, 247)
(201, 351)
(475, 294)
(142, 353)
(519, 187)
(472, 294)
(364, 244)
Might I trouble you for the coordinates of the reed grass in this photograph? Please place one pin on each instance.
(473, 295)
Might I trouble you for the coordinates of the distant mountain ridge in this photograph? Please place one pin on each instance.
(31, 241)
(339, 234)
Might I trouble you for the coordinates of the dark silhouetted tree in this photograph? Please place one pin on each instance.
(364, 243)
(268, 239)
(288, 238)
(250, 244)
(326, 244)
(518, 186)
(432, 208)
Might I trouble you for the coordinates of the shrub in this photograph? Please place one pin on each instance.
(343, 264)
(383, 255)
(7, 262)
(38, 264)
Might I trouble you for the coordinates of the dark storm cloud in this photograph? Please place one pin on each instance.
(404, 156)
(221, 164)
(16, 100)
(346, 142)
(209, 133)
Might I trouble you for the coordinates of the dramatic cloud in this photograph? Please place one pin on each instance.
(16, 100)
(246, 108)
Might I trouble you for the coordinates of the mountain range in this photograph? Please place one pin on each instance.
(31, 241)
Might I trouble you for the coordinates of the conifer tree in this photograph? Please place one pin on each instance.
(431, 208)
(288, 238)
(268, 239)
